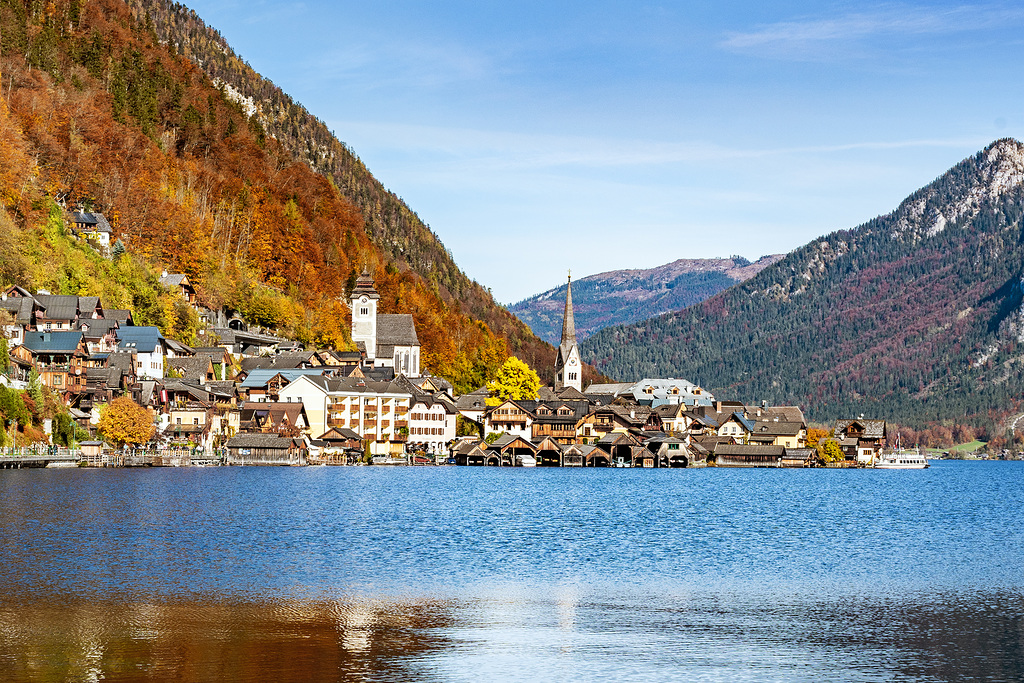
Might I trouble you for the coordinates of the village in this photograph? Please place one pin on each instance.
(251, 398)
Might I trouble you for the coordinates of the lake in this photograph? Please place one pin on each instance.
(469, 574)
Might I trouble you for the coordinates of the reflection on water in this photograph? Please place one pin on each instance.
(469, 574)
(204, 641)
(564, 633)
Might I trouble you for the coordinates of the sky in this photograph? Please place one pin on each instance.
(538, 137)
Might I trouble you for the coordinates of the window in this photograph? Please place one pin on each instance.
(364, 311)
(177, 421)
(195, 420)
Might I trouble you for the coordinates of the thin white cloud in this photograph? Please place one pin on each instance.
(812, 37)
(499, 150)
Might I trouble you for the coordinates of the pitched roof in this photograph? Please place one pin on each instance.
(261, 376)
(58, 307)
(52, 342)
(396, 329)
(873, 429)
(259, 441)
(96, 328)
(173, 279)
(122, 315)
(140, 339)
(193, 367)
(364, 286)
(121, 359)
(95, 221)
(747, 449)
(21, 307)
(772, 428)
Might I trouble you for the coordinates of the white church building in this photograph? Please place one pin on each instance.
(388, 339)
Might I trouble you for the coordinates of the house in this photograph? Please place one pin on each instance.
(775, 433)
(100, 334)
(148, 345)
(221, 359)
(736, 426)
(373, 410)
(563, 421)
(22, 308)
(56, 313)
(653, 392)
(285, 418)
(431, 423)
(92, 227)
(58, 357)
(861, 440)
(265, 384)
(335, 447)
(179, 284)
(195, 368)
(510, 417)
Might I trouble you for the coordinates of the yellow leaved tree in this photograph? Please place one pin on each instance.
(126, 422)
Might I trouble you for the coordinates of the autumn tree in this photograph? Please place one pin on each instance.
(830, 450)
(515, 381)
(815, 435)
(126, 422)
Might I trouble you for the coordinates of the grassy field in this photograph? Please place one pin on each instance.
(960, 448)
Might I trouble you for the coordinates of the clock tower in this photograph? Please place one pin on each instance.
(363, 301)
(568, 370)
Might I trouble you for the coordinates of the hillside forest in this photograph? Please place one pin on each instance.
(96, 113)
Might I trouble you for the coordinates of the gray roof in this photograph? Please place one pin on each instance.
(95, 221)
(261, 376)
(124, 360)
(746, 449)
(58, 307)
(194, 368)
(21, 308)
(97, 328)
(396, 329)
(873, 429)
(173, 279)
(259, 441)
(120, 314)
(52, 342)
(772, 428)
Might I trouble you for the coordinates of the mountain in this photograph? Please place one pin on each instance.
(221, 177)
(625, 296)
(398, 233)
(914, 316)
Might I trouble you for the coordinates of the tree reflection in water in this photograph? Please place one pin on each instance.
(287, 640)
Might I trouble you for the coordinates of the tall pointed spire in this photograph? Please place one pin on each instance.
(568, 323)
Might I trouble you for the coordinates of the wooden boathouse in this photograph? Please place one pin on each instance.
(265, 449)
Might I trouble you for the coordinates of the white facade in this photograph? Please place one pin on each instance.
(432, 425)
(364, 323)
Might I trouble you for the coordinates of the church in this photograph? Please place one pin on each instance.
(568, 368)
(386, 340)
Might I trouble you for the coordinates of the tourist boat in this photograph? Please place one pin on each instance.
(900, 459)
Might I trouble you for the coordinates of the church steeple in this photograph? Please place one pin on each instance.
(568, 323)
(568, 371)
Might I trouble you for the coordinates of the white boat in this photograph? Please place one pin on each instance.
(899, 459)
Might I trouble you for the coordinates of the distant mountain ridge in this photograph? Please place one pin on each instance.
(915, 316)
(624, 296)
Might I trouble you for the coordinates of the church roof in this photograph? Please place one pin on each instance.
(396, 329)
(364, 286)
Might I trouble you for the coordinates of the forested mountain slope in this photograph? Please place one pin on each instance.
(96, 113)
(625, 296)
(914, 316)
(394, 228)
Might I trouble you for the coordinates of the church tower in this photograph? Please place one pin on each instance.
(568, 370)
(364, 315)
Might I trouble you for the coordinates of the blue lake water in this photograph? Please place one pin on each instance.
(468, 574)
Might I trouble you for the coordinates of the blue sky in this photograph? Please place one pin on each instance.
(534, 137)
